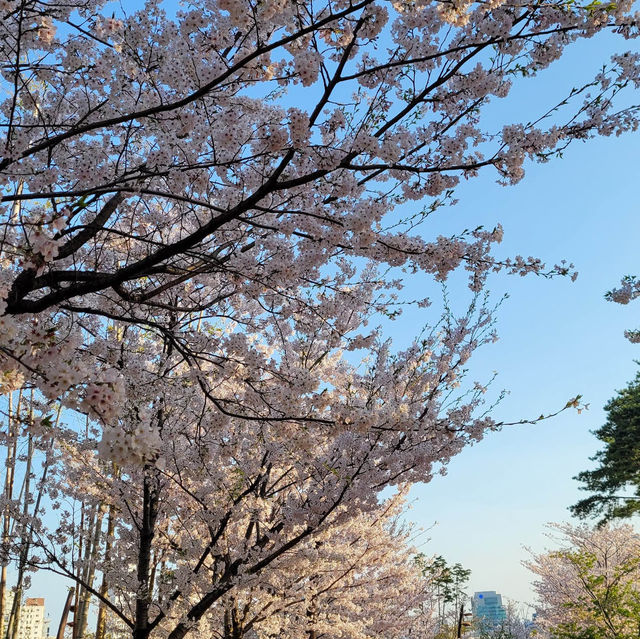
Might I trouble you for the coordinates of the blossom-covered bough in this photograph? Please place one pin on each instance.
(205, 212)
(589, 586)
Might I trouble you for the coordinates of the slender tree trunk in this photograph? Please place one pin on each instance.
(233, 624)
(87, 520)
(14, 618)
(8, 493)
(312, 616)
(237, 624)
(11, 465)
(3, 588)
(89, 570)
(80, 565)
(65, 614)
(147, 532)
(101, 623)
(13, 625)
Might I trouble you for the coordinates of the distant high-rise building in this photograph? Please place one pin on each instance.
(33, 624)
(487, 607)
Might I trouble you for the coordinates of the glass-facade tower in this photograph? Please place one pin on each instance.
(487, 607)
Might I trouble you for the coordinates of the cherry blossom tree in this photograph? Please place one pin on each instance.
(219, 508)
(206, 213)
(154, 164)
(272, 557)
(358, 580)
(590, 587)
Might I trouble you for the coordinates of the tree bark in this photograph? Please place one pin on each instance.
(312, 616)
(147, 530)
(14, 618)
(89, 571)
(101, 623)
(233, 625)
(8, 493)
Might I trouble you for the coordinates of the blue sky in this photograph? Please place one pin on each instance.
(557, 339)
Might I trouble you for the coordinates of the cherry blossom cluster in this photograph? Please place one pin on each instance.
(628, 291)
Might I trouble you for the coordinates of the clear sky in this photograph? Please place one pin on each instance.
(557, 339)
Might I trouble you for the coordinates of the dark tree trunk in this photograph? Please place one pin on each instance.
(141, 629)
